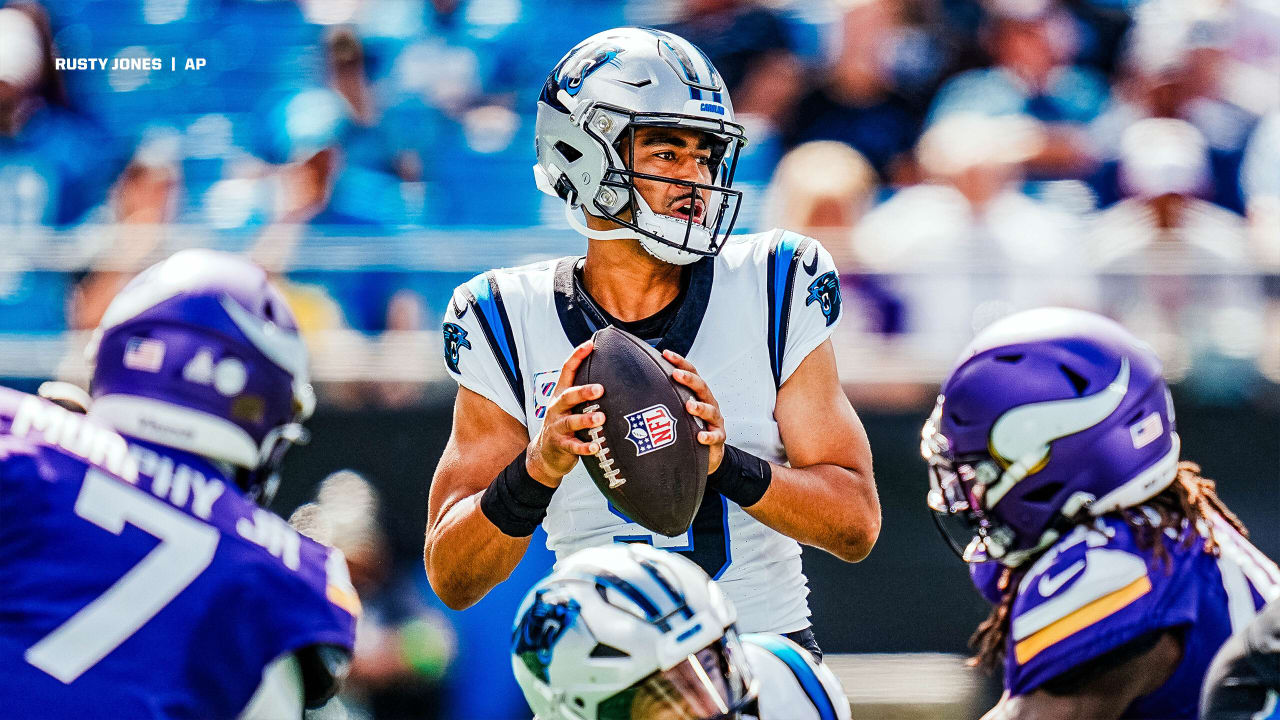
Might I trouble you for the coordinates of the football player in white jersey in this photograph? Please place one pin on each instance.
(627, 632)
(635, 134)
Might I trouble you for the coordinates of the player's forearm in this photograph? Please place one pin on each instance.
(827, 506)
(466, 555)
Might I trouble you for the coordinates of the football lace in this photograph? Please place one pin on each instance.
(612, 474)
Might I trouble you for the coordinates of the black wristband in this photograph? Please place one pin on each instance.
(741, 477)
(514, 502)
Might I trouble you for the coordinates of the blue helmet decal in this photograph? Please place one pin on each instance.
(455, 338)
(539, 629)
(573, 77)
(825, 290)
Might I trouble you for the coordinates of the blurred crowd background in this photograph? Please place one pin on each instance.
(961, 159)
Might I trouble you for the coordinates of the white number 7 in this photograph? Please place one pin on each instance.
(186, 548)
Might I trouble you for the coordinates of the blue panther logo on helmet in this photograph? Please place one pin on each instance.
(539, 629)
(455, 338)
(573, 77)
(826, 291)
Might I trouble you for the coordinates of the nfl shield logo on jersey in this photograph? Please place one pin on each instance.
(651, 429)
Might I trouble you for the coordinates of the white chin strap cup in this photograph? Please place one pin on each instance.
(654, 223)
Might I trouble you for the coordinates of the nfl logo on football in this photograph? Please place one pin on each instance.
(651, 429)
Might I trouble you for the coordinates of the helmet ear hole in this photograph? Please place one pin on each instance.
(568, 152)
(607, 651)
(1044, 493)
(1078, 381)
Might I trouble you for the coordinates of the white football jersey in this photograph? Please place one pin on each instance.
(790, 684)
(748, 318)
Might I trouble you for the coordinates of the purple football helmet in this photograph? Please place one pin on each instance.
(1052, 416)
(201, 353)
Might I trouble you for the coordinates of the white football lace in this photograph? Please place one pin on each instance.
(602, 455)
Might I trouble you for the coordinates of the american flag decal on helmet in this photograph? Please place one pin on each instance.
(651, 429)
(145, 354)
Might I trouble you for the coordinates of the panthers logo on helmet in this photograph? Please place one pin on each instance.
(455, 338)
(826, 291)
(574, 75)
(540, 629)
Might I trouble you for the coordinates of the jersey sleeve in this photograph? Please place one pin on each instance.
(480, 351)
(791, 683)
(1092, 594)
(803, 287)
(311, 612)
(1241, 681)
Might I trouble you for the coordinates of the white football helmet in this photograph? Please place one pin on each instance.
(592, 102)
(624, 631)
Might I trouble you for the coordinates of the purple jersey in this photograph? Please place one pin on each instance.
(1095, 591)
(136, 582)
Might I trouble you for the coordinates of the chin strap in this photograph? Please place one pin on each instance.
(571, 216)
(623, 233)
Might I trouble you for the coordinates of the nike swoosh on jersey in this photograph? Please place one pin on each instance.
(812, 267)
(1050, 585)
(1106, 571)
(637, 83)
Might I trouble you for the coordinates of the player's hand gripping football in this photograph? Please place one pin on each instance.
(555, 449)
(705, 407)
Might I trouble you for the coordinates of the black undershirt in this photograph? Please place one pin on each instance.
(651, 329)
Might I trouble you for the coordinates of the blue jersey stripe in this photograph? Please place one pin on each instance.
(782, 267)
(805, 675)
(492, 313)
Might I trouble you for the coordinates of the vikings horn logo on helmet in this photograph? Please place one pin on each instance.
(1023, 434)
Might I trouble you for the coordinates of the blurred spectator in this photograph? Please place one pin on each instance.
(1260, 183)
(406, 345)
(749, 45)
(1176, 268)
(54, 164)
(967, 247)
(129, 232)
(1033, 44)
(305, 133)
(403, 647)
(822, 189)
(367, 143)
(313, 203)
(856, 101)
(1180, 62)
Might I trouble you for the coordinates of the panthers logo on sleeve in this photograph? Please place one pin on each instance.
(455, 338)
(825, 290)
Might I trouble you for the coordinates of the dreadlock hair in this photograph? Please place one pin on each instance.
(1185, 510)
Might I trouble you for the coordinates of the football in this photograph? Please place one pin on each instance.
(650, 464)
